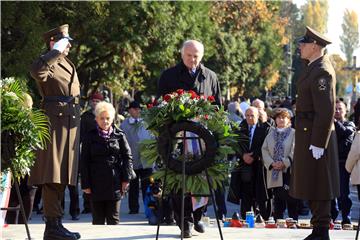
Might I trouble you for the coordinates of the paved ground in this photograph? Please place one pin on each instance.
(135, 227)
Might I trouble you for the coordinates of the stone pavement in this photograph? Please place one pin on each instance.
(135, 227)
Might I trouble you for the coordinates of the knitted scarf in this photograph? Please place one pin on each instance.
(279, 137)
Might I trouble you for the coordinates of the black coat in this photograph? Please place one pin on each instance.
(345, 132)
(105, 164)
(258, 171)
(87, 123)
(205, 81)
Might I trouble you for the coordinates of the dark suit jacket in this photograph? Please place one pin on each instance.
(258, 179)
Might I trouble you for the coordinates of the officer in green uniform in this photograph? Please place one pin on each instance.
(315, 173)
(57, 166)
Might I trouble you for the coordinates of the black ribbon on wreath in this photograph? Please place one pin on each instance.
(167, 141)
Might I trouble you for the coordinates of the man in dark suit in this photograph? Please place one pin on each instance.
(315, 155)
(190, 74)
(253, 190)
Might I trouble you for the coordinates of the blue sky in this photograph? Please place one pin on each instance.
(335, 19)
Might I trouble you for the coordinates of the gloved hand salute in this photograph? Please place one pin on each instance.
(62, 44)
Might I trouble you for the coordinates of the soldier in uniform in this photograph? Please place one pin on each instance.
(57, 165)
(315, 173)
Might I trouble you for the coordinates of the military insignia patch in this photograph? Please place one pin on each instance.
(322, 84)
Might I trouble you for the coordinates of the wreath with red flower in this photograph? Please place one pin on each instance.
(182, 106)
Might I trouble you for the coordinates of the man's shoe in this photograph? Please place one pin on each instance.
(346, 221)
(133, 212)
(170, 221)
(199, 227)
(75, 218)
(187, 234)
(85, 211)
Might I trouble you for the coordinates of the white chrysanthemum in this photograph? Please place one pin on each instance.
(12, 95)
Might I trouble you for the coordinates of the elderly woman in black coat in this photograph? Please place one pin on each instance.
(106, 166)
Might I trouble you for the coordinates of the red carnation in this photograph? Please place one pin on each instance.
(180, 91)
(211, 98)
(154, 103)
(193, 94)
(150, 105)
(167, 97)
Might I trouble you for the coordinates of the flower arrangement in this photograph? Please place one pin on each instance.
(184, 106)
(23, 129)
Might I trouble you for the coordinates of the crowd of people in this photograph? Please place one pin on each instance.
(291, 145)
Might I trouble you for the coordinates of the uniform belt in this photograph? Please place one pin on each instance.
(66, 99)
(305, 115)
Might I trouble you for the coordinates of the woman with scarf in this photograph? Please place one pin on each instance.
(106, 166)
(277, 152)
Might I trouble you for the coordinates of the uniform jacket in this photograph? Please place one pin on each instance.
(315, 109)
(56, 75)
(105, 164)
(353, 161)
(178, 77)
(268, 156)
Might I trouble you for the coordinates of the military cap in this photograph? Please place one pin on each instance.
(57, 33)
(312, 36)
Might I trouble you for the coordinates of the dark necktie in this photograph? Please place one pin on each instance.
(250, 134)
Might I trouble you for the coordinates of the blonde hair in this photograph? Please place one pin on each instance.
(105, 107)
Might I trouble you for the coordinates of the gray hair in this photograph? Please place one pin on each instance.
(105, 107)
(258, 101)
(254, 109)
(194, 43)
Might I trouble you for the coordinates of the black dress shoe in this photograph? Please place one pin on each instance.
(133, 212)
(170, 221)
(75, 218)
(187, 234)
(85, 211)
(199, 227)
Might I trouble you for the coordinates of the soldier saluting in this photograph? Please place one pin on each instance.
(57, 166)
(315, 173)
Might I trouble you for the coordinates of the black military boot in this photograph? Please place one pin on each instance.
(319, 233)
(53, 231)
(76, 234)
